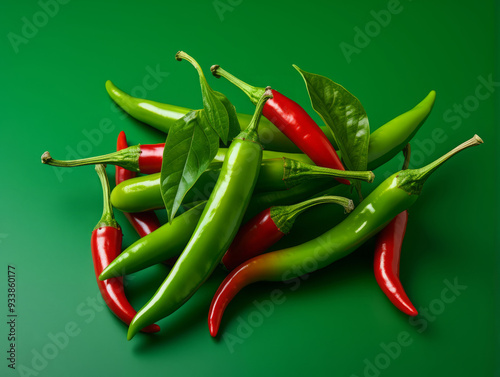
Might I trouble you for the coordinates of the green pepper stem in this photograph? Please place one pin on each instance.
(284, 216)
(182, 55)
(254, 123)
(295, 172)
(412, 180)
(426, 171)
(252, 92)
(127, 158)
(107, 218)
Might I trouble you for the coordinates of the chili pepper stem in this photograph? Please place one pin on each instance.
(412, 180)
(284, 216)
(296, 171)
(107, 218)
(182, 55)
(254, 123)
(252, 92)
(126, 158)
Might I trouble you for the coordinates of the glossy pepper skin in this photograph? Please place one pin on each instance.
(167, 241)
(216, 229)
(391, 197)
(291, 119)
(398, 132)
(268, 227)
(162, 116)
(143, 193)
(143, 222)
(386, 263)
(106, 242)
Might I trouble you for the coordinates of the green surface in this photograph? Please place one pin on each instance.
(336, 321)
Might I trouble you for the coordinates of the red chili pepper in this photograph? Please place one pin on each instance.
(386, 263)
(268, 227)
(388, 253)
(143, 222)
(291, 119)
(106, 243)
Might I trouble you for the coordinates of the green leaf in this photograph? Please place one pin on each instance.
(344, 115)
(215, 110)
(219, 111)
(190, 147)
(234, 124)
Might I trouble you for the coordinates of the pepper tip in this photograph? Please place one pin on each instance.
(213, 328)
(177, 57)
(130, 333)
(214, 69)
(46, 157)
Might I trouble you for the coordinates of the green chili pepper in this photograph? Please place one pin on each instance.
(143, 193)
(396, 194)
(163, 243)
(216, 229)
(398, 132)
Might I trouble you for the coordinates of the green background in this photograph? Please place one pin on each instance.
(334, 324)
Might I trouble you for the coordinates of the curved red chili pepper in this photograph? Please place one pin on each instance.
(143, 222)
(245, 274)
(253, 238)
(386, 263)
(291, 119)
(106, 243)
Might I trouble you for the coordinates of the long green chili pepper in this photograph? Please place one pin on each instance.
(216, 229)
(143, 193)
(398, 132)
(162, 116)
(394, 195)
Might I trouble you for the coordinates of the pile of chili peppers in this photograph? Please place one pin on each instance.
(247, 199)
